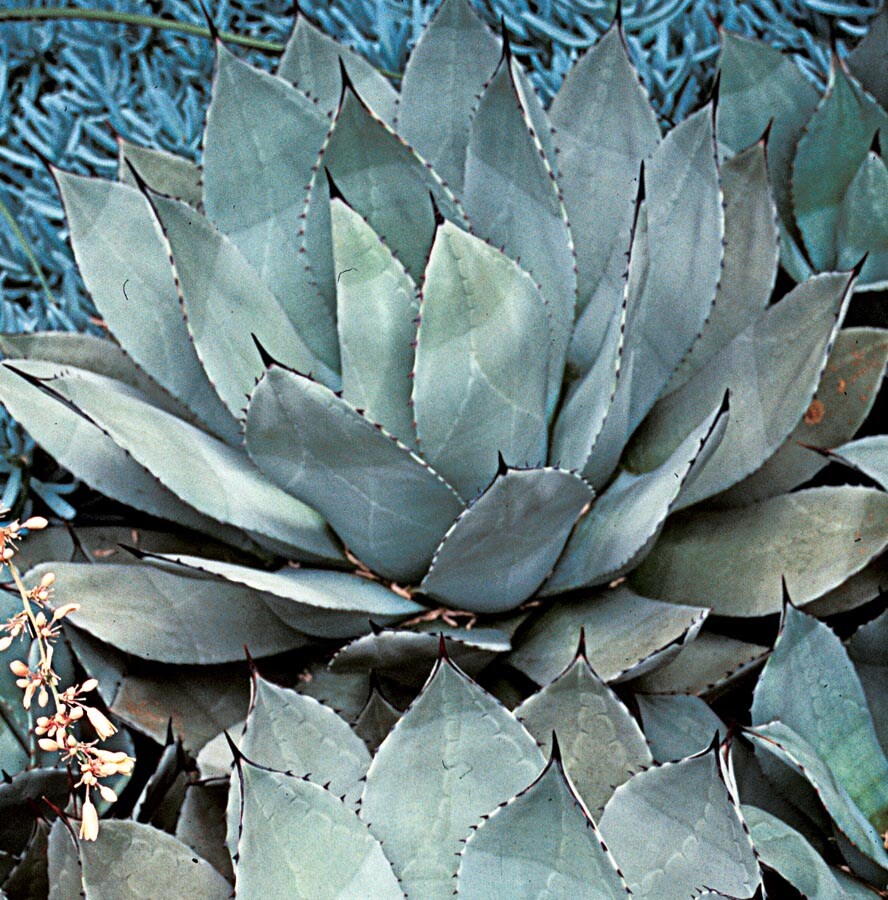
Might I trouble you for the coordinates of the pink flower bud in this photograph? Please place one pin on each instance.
(35, 523)
(89, 821)
(49, 745)
(89, 685)
(107, 794)
(17, 667)
(101, 723)
(65, 610)
(5, 643)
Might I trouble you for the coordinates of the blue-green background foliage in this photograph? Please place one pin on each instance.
(63, 83)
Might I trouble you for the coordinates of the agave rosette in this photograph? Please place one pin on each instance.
(503, 355)
(456, 793)
(825, 157)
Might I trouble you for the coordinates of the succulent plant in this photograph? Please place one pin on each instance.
(825, 158)
(395, 364)
(53, 100)
(456, 796)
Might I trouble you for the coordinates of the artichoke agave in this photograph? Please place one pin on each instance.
(455, 794)
(447, 349)
(825, 158)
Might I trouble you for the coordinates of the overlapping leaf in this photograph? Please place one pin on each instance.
(817, 538)
(388, 506)
(466, 754)
(502, 547)
(542, 842)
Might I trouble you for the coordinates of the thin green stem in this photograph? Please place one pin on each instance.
(32, 259)
(45, 666)
(53, 13)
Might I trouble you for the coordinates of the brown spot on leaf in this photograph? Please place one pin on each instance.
(842, 385)
(815, 413)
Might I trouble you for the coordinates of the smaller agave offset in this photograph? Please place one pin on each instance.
(443, 356)
(456, 794)
(824, 156)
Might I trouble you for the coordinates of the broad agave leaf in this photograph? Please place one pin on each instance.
(456, 751)
(823, 729)
(136, 859)
(414, 361)
(532, 341)
(828, 173)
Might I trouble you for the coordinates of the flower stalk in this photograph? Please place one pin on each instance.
(55, 732)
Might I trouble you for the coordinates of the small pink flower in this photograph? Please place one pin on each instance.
(89, 820)
(99, 721)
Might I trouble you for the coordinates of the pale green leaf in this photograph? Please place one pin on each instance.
(784, 850)
(299, 840)
(376, 719)
(675, 828)
(91, 455)
(772, 370)
(453, 59)
(164, 172)
(733, 560)
(590, 401)
(845, 396)
(625, 635)
(759, 84)
(388, 506)
(623, 523)
(867, 59)
(466, 754)
(228, 308)
(481, 379)
(704, 666)
(121, 255)
(405, 657)
(685, 222)
(202, 824)
(217, 480)
(311, 62)
(601, 744)
(605, 128)
(749, 270)
(376, 306)
(65, 881)
(826, 707)
(318, 602)
(181, 619)
(542, 843)
(384, 180)
(261, 145)
(104, 357)
(868, 455)
(131, 861)
(858, 590)
(513, 202)
(781, 741)
(501, 548)
(200, 700)
(294, 733)
(868, 648)
(862, 226)
(677, 725)
(830, 151)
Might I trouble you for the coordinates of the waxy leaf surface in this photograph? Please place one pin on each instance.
(388, 506)
(466, 754)
(503, 546)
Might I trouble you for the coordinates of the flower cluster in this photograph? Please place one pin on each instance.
(40, 626)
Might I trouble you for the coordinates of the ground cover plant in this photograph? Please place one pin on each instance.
(482, 428)
(60, 87)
